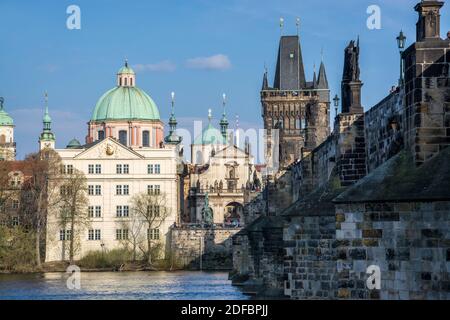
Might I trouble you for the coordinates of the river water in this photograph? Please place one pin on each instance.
(122, 286)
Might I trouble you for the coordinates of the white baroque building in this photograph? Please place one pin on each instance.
(124, 155)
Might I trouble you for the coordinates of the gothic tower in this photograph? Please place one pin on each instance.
(297, 108)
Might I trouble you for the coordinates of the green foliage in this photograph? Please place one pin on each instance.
(17, 251)
(105, 260)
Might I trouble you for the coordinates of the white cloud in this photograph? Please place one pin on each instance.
(163, 66)
(216, 62)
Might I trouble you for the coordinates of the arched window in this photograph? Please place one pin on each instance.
(126, 82)
(131, 81)
(120, 81)
(2, 139)
(145, 138)
(123, 137)
(101, 135)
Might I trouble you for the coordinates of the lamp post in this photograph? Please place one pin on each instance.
(401, 40)
(336, 104)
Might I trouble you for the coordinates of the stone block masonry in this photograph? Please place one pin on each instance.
(212, 245)
(410, 242)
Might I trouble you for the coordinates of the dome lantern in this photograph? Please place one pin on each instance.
(126, 76)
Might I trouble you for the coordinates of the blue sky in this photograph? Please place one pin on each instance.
(168, 41)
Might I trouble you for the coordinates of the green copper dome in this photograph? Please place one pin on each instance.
(126, 70)
(5, 118)
(125, 103)
(210, 135)
(74, 144)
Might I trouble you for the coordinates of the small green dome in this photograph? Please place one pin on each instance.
(74, 144)
(5, 119)
(125, 103)
(126, 70)
(210, 135)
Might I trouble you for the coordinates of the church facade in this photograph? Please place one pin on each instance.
(124, 155)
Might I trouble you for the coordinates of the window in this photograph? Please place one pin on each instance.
(67, 169)
(121, 234)
(90, 190)
(15, 221)
(157, 189)
(153, 210)
(101, 135)
(122, 190)
(94, 234)
(94, 190)
(297, 124)
(157, 169)
(15, 204)
(65, 235)
(91, 169)
(122, 169)
(123, 137)
(98, 190)
(153, 234)
(145, 138)
(154, 189)
(98, 169)
(122, 211)
(126, 81)
(150, 169)
(95, 211)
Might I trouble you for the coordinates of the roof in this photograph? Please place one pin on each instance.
(290, 73)
(322, 82)
(210, 135)
(399, 180)
(74, 144)
(5, 118)
(125, 103)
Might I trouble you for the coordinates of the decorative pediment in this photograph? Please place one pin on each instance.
(108, 149)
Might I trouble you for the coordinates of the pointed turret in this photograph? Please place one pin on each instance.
(265, 84)
(322, 82)
(314, 82)
(47, 138)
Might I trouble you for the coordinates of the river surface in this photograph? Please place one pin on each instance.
(122, 286)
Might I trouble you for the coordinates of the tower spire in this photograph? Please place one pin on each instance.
(47, 138)
(224, 120)
(172, 138)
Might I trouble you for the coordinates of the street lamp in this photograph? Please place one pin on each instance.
(336, 103)
(401, 40)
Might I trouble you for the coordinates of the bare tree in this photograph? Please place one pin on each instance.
(44, 167)
(135, 225)
(73, 213)
(152, 208)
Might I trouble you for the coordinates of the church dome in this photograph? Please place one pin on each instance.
(210, 135)
(126, 101)
(74, 144)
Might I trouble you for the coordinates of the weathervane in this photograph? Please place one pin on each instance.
(224, 101)
(297, 23)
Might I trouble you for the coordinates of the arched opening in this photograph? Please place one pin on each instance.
(233, 213)
(101, 135)
(146, 138)
(2, 139)
(126, 82)
(123, 137)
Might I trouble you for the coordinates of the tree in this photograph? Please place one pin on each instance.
(134, 224)
(73, 213)
(44, 167)
(5, 190)
(152, 208)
